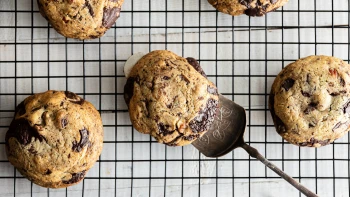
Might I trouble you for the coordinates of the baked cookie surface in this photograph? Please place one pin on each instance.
(310, 101)
(248, 7)
(55, 138)
(169, 99)
(81, 19)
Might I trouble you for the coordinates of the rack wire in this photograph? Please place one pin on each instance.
(242, 55)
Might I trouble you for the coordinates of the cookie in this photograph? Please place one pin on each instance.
(248, 7)
(81, 19)
(310, 101)
(169, 99)
(54, 138)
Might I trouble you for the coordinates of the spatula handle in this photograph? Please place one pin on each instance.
(255, 154)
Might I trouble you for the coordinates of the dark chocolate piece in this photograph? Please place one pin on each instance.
(336, 126)
(193, 62)
(110, 15)
(76, 177)
(64, 123)
(342, 82)
(20, 109)
(48, 172)
(71, 95)
(346, 107)
(315, 141)
(288, 83)
(205, 117)
(191, 137)
(74, 98)
(84, 140)
(306, 94)
(129, 89)
(22, 131)
(164, 129)
(88, 5)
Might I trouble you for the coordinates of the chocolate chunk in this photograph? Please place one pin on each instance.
(312, 106)
(191, 137)
(48, 172)
(256, 11)
(156, 118)
(20, 109)
(110, 15)
(75, 98)
(336, 126)
(212, 90)
(164, 129)
(71, 95)
(314, 141)
(76, 177)
(64, 122)
(193, 62)
(342, 82)
(84, 140)
(129, 89)
(166, 78)
(338, 93)
(306, 94)
(246, 3)
(205, 117)
(43, 118)
(23, 132)
(288, 83)
(335, 94)
(280, 126)
(88, 5)
(312, 124)
(346, 107)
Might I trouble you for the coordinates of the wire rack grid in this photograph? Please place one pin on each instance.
(242, 55)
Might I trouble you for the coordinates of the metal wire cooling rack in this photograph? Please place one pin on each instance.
(242, 55)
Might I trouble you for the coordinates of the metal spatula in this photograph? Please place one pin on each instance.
(227, 133)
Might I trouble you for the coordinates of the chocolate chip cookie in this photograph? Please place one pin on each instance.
(248, 7)
(54, 138)
(81, 19)
(169, 99)
(310, 101)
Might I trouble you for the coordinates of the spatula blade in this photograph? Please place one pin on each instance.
(226, 130)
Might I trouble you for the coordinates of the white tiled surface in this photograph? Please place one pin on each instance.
(34, 58)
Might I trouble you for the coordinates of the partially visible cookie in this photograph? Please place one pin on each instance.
(248, 7)
(81, 19)
(169, 99)
(310, 101)
(55, 138)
